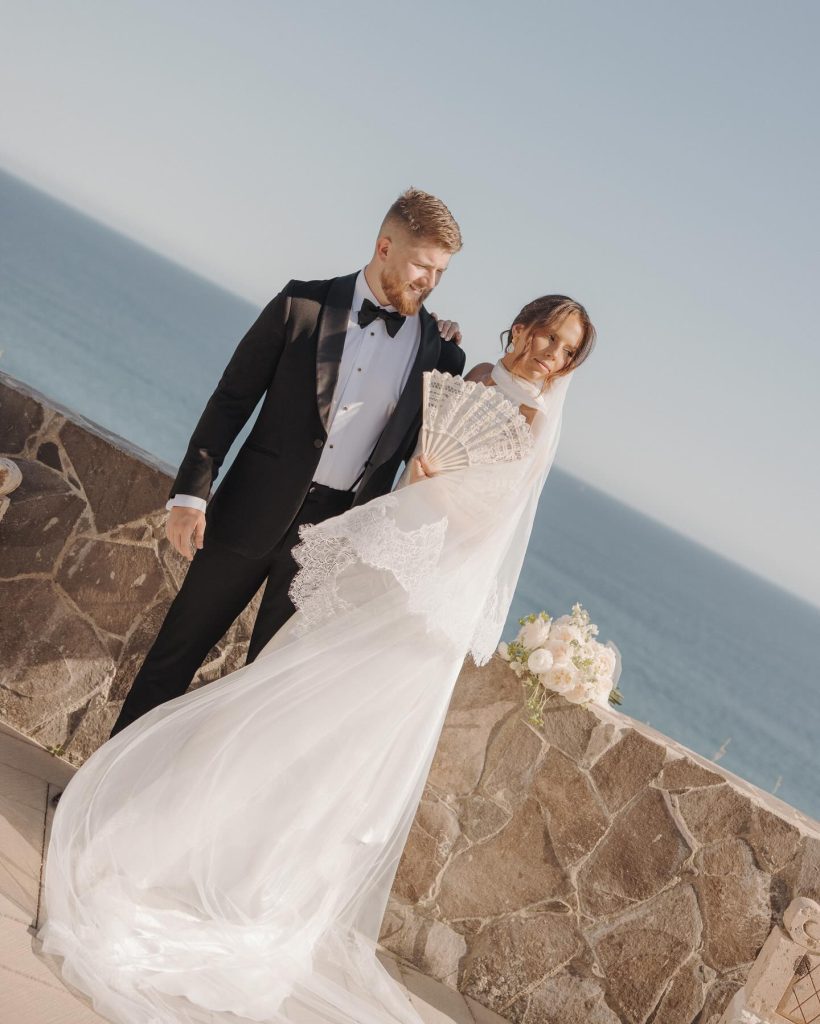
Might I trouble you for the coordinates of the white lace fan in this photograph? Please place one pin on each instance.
(465, 423)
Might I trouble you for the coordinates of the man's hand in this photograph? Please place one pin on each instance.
(185, 529)
(448, 329)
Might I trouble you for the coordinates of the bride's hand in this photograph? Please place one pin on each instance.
(419, 470)
(449, 330)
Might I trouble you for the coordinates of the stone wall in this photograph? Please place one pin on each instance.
(591, 870)
(86, 573)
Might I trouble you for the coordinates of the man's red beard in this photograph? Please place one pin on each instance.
(400, 295)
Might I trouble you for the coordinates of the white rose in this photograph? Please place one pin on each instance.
(539, 661)
(604, 661)
(560, 650)
(535, 634)
(565, 631)
(504, 651)
(562, 677)
(579, 694)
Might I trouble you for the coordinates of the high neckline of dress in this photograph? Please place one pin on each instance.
(524, 392)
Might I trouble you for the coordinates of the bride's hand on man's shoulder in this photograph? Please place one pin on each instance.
(448, 329)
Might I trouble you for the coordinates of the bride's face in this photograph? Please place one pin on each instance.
(545, 350)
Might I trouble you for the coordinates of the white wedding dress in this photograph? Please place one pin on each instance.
(228, 857)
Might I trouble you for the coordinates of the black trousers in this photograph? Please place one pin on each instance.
(217, 587)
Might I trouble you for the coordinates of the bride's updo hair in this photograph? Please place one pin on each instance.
(544, 313)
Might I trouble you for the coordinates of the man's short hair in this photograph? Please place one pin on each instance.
(426, 218)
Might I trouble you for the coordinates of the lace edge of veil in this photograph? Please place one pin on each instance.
(368, 536)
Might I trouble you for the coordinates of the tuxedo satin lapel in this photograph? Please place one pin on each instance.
(408, 406)
(332, 331)
(430, 347)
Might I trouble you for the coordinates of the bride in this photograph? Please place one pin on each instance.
(229, 855)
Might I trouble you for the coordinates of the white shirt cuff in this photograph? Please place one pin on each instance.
(188, 501)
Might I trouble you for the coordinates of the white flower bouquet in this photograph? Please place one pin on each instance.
(563, 656)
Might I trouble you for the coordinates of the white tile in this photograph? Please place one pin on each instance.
(18, 910)
(17, 956)
(27, 1002)
(24, 754)
(50, 809)
(22, 823)
(32, 993)
(436, 1003)
(389, 963)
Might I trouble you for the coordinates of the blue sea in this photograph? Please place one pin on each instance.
(713, 655)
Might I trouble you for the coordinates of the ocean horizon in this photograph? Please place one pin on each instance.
(714, 655)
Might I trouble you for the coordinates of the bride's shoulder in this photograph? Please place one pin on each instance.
(481, 373)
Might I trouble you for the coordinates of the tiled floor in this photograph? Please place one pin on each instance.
(31, 993)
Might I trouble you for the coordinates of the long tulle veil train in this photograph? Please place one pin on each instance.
(228, 857)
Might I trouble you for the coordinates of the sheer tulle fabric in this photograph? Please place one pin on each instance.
(228, 857)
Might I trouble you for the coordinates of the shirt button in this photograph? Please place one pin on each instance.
(359, 369)
(318, 442)
(372, 334)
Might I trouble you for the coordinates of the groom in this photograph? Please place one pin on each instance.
(339, 364)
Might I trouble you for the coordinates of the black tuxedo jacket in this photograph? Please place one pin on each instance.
(291, 355)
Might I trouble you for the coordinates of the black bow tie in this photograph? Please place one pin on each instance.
(370, 312)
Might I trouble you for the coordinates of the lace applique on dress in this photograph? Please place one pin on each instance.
(490, 624)
(368, 535)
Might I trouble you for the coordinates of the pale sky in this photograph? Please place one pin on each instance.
(658, 161)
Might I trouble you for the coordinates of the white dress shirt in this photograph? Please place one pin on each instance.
(372, 373)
